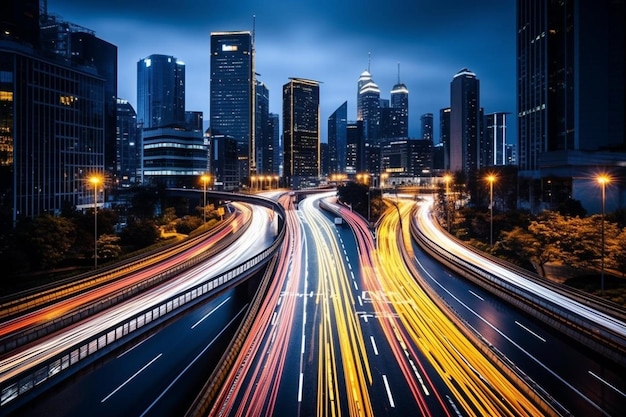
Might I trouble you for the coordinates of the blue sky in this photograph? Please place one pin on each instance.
(324, 40)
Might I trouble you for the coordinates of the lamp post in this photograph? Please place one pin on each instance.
(205, 178)
(95, 180)
(491, 179)
(447, 179)
(603, 180)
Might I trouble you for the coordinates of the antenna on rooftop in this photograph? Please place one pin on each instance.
(369, 60)
(253, 28)
(398, 73)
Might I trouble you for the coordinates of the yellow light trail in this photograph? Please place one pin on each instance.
(476, 382)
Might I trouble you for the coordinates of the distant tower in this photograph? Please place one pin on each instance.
(465, 122)
(337, 141)
(494, 146)
(368, 107)
(400, 101)
(301, 135)
(129, 148)
(426, 126)
(160, 91)
(232, 92)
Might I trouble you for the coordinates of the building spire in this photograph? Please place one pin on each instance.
(369, 60)
(398, 73)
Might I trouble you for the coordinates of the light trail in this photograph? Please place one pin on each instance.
(41, 350)
(477, 384)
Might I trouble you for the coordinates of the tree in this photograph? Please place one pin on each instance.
(108, 247)
(45, 240)
(139, 233)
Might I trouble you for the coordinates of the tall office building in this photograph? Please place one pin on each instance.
(301, 131)
(465, 122)
(355, 149)
(263, 155)
(444, 136)
(493, 147)
(53, 143)
(273, 122)
(129, 149)
(80, 47)
(337, 139)
(570, 89)
(426, 126)
(368, 107)
(232, 94)
(160, 91)
(400, 102)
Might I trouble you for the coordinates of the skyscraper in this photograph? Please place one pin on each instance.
(426, 126)
(232, 93)
(129, 149)
(444, 136)
(494, 146)
(464, 122)
(368, 107)
(263, 155)
(337, 139)
(52, 121)
(301, 133)
(160, 91)
(400, 102)
(570, 84)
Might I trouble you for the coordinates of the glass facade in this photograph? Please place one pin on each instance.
(160, 91)
(337, 139)
(231, 92)
(465, 122)
(301, 135)
(58, 118)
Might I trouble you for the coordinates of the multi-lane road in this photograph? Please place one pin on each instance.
(258, 236)
(345, 329)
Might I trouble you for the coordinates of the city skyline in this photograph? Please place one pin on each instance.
(430, 40)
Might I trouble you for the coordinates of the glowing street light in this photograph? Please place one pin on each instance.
(491, 179)
(95, 180)
(447, 178)
(603, 180)
(205, 179)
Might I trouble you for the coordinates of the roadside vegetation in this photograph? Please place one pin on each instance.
(48, 248)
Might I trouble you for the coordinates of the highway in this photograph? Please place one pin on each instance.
(258, 236)
(342, 334)
(584, 382)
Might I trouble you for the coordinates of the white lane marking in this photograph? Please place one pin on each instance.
(476, 295)
(131, 378)
(530, 331)
(356, 287)
(374, 345)
(245, 307)
(391, 402)
(300, 387)
(608, 384)
(209, 313)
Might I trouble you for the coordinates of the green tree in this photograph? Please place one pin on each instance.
(108, 247)
(45, 240)
(139, 233)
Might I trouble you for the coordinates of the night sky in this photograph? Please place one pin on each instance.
(323, 40)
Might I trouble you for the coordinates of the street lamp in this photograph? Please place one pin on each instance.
(603, 180)
(447, 178)
(205, 178)
(491, 179)
(95, 180)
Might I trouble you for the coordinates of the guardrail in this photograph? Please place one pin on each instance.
(600, 339)
(89, 350)
(20, 338)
